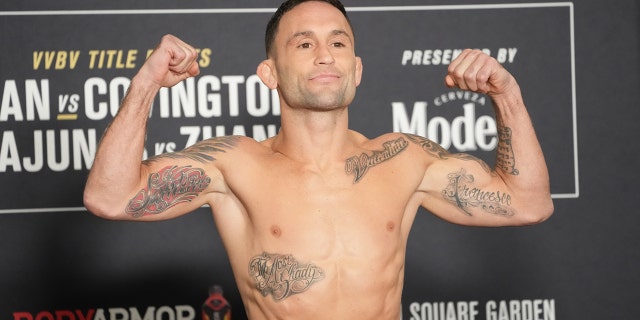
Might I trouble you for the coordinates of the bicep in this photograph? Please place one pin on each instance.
(176, 183)
(462, 189)
(171, 188)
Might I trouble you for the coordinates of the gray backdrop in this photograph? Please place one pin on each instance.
(66, 64)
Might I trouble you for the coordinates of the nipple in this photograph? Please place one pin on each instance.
(275, 231)
(391, 226)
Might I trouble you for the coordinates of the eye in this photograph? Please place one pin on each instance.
(338, 44)
(304, 45)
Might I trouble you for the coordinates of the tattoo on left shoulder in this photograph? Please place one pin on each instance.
(282, 276)
(429, 146)
(439, 152)
(505, 159)
(359, 165)
(460, 192)
(166, 188)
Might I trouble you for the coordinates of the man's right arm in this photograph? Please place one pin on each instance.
(118, 176)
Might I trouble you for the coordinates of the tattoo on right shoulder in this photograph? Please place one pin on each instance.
(202, 151)
(282, 276)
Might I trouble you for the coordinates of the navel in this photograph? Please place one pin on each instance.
(275, 231)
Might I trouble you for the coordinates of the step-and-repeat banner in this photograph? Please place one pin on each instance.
(63, 74)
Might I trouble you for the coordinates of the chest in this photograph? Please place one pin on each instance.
(293, 208)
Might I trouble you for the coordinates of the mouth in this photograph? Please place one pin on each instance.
(325, 77)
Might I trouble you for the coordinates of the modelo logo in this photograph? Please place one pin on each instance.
(180, 312)
(468, 132)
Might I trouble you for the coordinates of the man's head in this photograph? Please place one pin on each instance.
(311, 59)
(272, 26)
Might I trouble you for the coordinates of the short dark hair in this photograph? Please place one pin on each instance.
(272, 26)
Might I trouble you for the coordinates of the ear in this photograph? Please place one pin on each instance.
(358, 71)
(266, 73)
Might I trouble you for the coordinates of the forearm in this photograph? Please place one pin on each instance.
(116, 170)
(519, 159)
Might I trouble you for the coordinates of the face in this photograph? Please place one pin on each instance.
(313, 65)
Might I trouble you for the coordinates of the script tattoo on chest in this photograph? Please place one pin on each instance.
(358, 165)
(460, 192)
(282, 276)
(166, 188)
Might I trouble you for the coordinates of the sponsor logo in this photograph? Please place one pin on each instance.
(526, 309)
(178, 312)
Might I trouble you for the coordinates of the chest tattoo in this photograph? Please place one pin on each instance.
(358, 165)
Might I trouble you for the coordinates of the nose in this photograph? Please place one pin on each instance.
(324, 55)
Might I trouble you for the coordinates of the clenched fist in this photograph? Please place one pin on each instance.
(172, 61)
(476, 71)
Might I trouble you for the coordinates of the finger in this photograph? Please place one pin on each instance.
(454, 64)
(449, 80)
(182, 58)
(472, 65)
(193, 69)
(463, 71)
(483, 77)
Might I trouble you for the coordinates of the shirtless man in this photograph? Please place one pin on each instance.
(315, 220)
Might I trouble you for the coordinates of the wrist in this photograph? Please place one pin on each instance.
(142, 89)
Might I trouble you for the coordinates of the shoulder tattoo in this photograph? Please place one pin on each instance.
(282, 276)
(439, 152)
(429, 146)
(203, 151)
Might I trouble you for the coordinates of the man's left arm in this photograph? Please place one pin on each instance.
(516, 191)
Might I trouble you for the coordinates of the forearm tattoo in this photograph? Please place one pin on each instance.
(461, 192)
(439, 152)
(358, 165)
(203, 151)
(505, 158)
(166, 188)
(282, 276)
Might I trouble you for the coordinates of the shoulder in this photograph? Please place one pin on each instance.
(221, 147)
(210, 152)
(411, 143)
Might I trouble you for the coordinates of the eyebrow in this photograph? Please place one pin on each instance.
(310, 33)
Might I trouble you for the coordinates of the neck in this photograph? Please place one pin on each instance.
(313, 136)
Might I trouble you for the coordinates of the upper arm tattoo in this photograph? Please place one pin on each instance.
(358, 165)
(465, 196)
(282, 275)
(460, 190)
(166, 188)
(176, 184)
